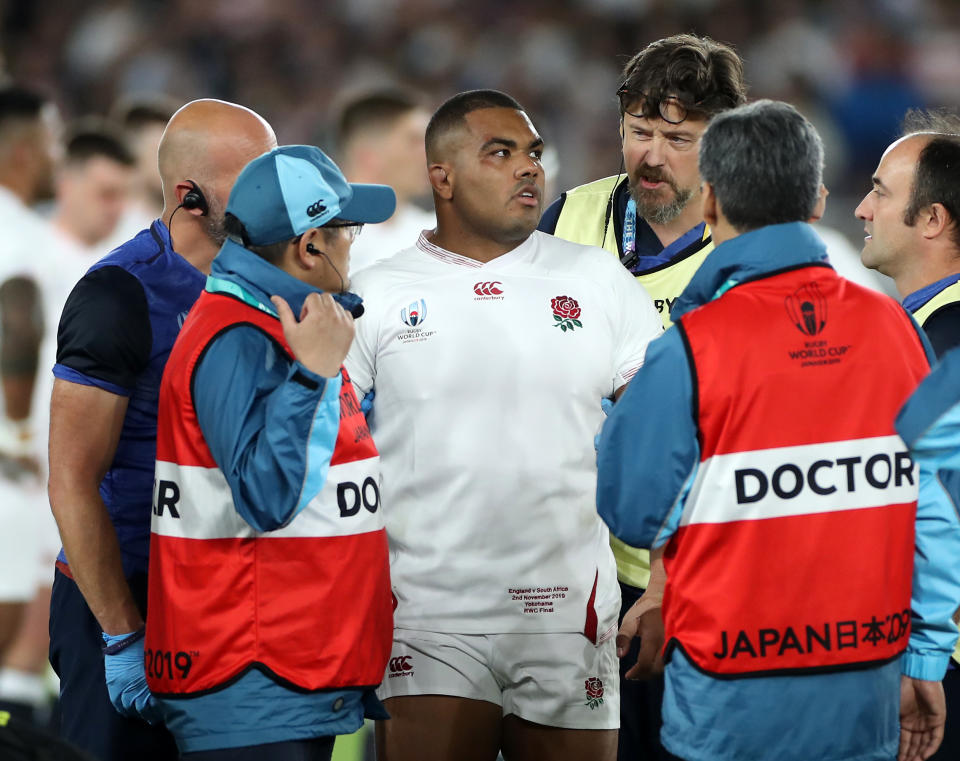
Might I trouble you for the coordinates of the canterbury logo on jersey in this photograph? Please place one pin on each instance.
(802, 480)
(401, 666)
(488, 288)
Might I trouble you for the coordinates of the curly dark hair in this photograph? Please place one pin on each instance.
(704, 75)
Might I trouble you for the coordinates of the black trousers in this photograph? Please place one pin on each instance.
(88, 719)
(950, 748)
(315, 749)
(640, 703)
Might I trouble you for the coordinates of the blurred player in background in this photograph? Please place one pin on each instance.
(92, 186)
(29, 151)
(380, 137)
(142, 121)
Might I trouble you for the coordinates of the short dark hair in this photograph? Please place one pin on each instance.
(89, 138)
(937, 180)
(235, 230)
(373, 109)
(135, 113)
(765, 163)
(272, 252)
(20, 104)
(453, 112)
(706, 76)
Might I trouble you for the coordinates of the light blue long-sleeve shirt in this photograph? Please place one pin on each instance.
(929, 423)
(648, 458)
(271, 426)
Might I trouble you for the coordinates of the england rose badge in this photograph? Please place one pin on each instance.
(594, 690)
(566, 313)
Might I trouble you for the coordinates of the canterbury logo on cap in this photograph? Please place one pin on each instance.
(316, 209)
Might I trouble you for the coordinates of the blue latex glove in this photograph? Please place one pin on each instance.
(366, 404)
(127, 676)
(607, 406)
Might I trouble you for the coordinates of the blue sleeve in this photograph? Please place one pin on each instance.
(648, 451)
(105, 338)
(930, 425)
(271, 424)
(548, 222)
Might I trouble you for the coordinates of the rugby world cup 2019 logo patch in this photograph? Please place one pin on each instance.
(807, 309)
(566, 313)
(414, 314)
(594, 691)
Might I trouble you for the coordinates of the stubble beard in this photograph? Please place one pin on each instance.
(214, 220)
(651, 205)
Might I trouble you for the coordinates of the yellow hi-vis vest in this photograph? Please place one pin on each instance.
(584, 219)
(949, 295)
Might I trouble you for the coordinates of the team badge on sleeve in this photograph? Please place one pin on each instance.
(566, 313)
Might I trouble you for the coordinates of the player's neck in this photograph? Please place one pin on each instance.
(20, 185)
(469, 244)
(191, 241)
(912, 279)
(69, 229)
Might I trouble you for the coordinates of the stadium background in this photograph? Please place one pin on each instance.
(853, 67)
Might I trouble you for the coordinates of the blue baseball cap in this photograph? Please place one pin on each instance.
(285, 192)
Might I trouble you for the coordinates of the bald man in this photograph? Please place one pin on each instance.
(115, 335)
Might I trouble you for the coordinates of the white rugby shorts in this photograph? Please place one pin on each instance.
(554, 679)
(19, 541)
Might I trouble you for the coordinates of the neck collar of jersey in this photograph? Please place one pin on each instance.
(449, 257)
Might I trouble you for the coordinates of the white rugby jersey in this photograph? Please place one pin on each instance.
(488, 381)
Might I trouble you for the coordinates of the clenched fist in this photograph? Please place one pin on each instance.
(321, 338)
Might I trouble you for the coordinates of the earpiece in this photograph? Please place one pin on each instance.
(194, 199)
(311, 249)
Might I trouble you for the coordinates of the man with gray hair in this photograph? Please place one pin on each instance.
(773, 478)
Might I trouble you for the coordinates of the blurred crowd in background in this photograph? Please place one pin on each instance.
(852, 67)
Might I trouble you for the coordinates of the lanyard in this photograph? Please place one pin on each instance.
(630, 230)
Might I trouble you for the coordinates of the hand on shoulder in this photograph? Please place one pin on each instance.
(321, 338)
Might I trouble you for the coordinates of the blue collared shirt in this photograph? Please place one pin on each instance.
(918, 298)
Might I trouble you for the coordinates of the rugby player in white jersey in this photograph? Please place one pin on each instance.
(490, 347)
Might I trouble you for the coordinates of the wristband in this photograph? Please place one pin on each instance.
(117, 645)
